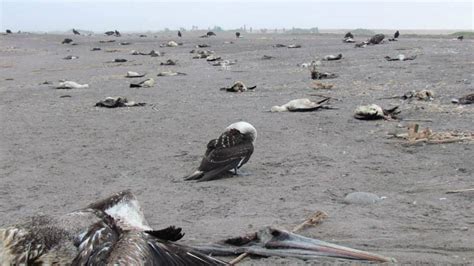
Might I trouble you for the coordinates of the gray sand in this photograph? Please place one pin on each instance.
(59, 154)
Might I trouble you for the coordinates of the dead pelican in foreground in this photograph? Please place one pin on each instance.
(271, 241)
(299, 105)
(112, 231)
(230, 151)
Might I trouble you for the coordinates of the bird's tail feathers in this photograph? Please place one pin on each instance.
(196, 175)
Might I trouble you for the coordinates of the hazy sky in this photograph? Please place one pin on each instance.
(142, 15)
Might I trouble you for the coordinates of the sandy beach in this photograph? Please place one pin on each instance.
(60, 153)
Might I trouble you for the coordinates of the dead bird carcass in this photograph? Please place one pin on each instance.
(114, 102)
(374, 112)
(238, 86)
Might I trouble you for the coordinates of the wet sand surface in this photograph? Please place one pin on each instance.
(60, 154)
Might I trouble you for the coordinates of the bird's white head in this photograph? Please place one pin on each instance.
(244, 128)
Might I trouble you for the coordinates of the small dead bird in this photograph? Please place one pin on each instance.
(119, 60)
(131, 74)
(423, 95)
(267, 57)
(238, 86)
(332, 57)
(468, 99)
(170, 74)
(67, 41)
(400, 57)
(143, 84)
(294, 46)
(169, 62)
(71, 57)
(300, 105)
(376, 39)
(315, 74)
(67, 85)
(113, 102)
(373, 112)
(96, 49)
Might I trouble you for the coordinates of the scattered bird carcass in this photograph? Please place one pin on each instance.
(114, 102)
(170, 44)
(96, 49)
(292, 46)
(376, 39)
(238, 86)
(272, 241)
(120, 60)
(426, 135)
(212, 58)
(332, 57)
(461, 37)
(112, 231)
(169, 62)
(374, 112)
(422, 95)
(202, 45)
(267, 57)
(201, 54)
(71, 57)
(132, 74)
(278, 45)
(316, 74)
(400, 57)
(301, 105)
(125, 43)
(67, 85)
(170, 74)
(67, 41)
(230, 151)
(224, 63)
(349, 35)
(143, 84)
(467, 99)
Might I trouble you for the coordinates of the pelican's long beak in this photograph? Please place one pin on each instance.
(283, 243)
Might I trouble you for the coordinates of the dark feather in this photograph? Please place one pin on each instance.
(170, 233)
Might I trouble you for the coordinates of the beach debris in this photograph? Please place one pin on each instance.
(467, 99)
(169, 62)
(332, 57)
(373, 112)
(318, 85)
(120, 60)
(96, 49)
(267, 57)
(170, 74)
(315, 74)
(109, 231)
(400, 57)
(415, 135)
(238, 86)
(67, 41)
(113, 102)
(301, 105)
(71, 57)
(272, 241)
(230, 151)
(66, 85)
(131, 74)
(143, 84)
(361, 198)
(294, 46)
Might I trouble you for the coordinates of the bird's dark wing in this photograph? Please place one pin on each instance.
(231, 150)
(140, 248)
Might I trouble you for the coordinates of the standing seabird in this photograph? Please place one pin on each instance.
(112, 231)
(75, 32)
(396, 35)
(179, 34)
(230, 151)
(237, 35)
